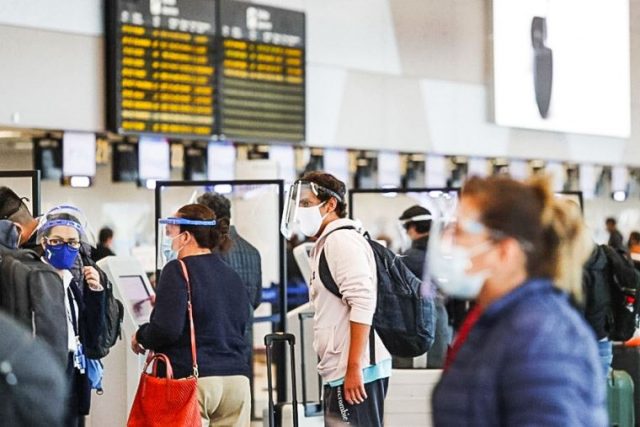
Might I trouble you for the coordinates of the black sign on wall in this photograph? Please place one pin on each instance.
(261, 73)
(198, 68)
(161, 64)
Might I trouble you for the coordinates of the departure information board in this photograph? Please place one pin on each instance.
(161, 56)
(195, 69)
(261, 73)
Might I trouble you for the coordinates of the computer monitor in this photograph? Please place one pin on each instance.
(137, 295)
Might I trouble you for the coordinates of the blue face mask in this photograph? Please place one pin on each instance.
(62, 256)
(167, 250)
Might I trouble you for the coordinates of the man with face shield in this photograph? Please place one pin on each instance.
(355, 388)
(416, 221)
(60, 237)
(524, 355)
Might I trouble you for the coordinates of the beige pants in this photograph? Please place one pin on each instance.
(225, 401)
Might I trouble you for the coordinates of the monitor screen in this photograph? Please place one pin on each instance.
(137, 295)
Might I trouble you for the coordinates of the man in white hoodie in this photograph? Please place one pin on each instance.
(355, 378)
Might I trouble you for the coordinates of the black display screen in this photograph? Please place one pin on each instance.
(261, 73)
(161, 56)
(198, 68)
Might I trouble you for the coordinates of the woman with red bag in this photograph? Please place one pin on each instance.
(220, 310)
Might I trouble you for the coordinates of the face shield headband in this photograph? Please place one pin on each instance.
(165, 251)
(186, 221)
(61, 223)
(295, 203)
(59, 213)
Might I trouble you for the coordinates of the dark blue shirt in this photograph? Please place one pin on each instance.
(529, 360)
(220, 313)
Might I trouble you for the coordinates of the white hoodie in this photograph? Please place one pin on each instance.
(353, 268)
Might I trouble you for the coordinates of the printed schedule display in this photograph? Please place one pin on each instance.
(262, 73)
(162, 67)
(202, 68)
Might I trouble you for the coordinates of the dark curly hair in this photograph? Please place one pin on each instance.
(332, 183)
(220, 205)
(216, 237)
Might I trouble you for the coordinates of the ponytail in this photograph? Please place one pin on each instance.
(566, 235)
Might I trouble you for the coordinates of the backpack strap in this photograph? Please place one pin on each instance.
(323, 267)
(331, 285)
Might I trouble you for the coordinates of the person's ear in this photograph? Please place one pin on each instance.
(20, 231)
(331, 205)
(510, 251)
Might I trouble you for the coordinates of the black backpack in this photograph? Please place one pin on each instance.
(114, 313)
(624, 285)
(32, 293)
(404, 319)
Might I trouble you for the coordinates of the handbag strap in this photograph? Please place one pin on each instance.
(194, 354)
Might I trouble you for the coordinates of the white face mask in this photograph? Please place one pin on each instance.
(450, 270)
(310, 220)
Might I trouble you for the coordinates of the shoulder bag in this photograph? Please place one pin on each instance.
(165, 402)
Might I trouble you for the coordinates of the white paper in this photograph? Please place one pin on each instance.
(284, 156)
(79, 154)
(221, 161)
(477, 167)
(519, 169)
(336, 162)
(436, 173)
(388, 169)
(619, 178)
(588, 181)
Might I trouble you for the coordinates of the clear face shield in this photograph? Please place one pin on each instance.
(402, 226)
(302, 208)
(68, 216)
(168, 231)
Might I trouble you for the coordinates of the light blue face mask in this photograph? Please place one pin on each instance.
(166, 244)
(167, 248)
(450, 270)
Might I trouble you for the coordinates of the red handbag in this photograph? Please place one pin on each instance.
(168, 402)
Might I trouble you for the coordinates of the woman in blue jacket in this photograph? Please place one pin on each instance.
(524, 355)
(220, 313)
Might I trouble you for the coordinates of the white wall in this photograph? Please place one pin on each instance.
(411, 75)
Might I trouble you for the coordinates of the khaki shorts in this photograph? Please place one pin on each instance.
(225, 401)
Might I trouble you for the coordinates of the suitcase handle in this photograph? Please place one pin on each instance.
(269, 339)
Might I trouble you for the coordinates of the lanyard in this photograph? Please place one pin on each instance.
(72, 309)
(465, 329)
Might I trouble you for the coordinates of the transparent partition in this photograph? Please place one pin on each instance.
(379, 210)
(256, 209)
(25, 184)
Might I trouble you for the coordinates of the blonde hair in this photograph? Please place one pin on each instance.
(563, 218)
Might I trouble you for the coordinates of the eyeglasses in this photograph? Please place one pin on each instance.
(57, 241)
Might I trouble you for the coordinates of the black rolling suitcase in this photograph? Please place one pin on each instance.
(628, 359)
(277, 412)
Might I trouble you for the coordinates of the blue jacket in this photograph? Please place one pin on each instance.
(220, 313)
(529, 360)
